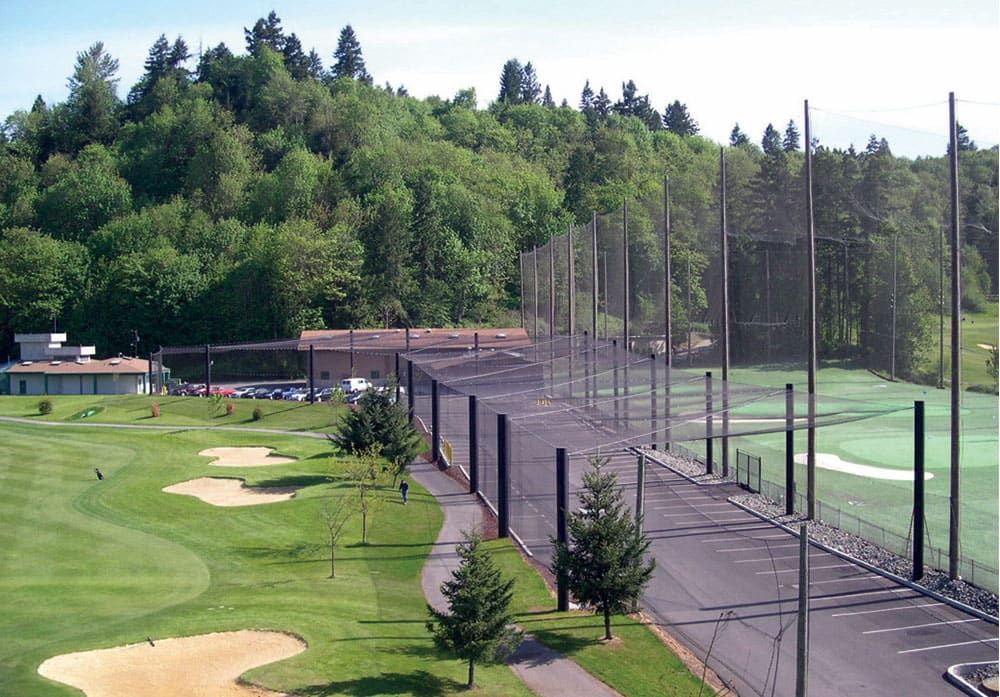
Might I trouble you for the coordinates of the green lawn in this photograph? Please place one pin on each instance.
(177, 411)
(638, 665)
(979, 329)
(90, 564)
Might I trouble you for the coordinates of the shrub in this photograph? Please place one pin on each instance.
(155, 409)
(257, 414)
(230, 408)
(45, 407)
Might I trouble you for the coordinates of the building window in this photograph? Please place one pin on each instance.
(324, 375)
(375, 375)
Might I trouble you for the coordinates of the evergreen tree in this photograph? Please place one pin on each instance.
(547, 100)
(605, 561)
(602, 105)
(315, 68)
(791, 141)
(511, 79)
(265, 32)
(401, 91)
(771, 142)
(93, 103)
(349, 61)
(530, 89)
(676, 119)
(626, 106)
(478, 623)
(737, 137)
(586, 98)
(296, 61)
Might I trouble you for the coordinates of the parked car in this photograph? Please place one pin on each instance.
(299, 394)
(261, 393)
(326, 394)
(352, 385)
(276, 393)
(242, 392)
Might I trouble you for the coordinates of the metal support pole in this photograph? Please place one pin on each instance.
(208, 370)
(503, 477)
(596, 288)
(534, 315)
(435, 422)
(789, 450)
(614, 379)
(473, 445)
(398, 386)
(652, 401)
(918, 490)
(160, 364)
(724, 262)
(956, 345)
(312, 374)
(802, 635)
(708, 422)
(811, 246)
(410, 397)
(640, 492)
(150, 367)
(562, 532)
(586, 367)
(892, 341)
(351, 339)
(475, 348)
(520, 266)
(668, 343)
(552, 290)
(625, 278)
(571, 274)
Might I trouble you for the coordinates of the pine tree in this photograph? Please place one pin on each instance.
(349, 61)
(771, 142)
(511, 77)
(737, 137)
(676, 119)
(586, 98)
(530, 89)
(265, 32)
(626, 106)
(602, 105)
(296, 61)
(791, 141)
(315, 69)
(547, 100)
(605, 561)
(478, 623)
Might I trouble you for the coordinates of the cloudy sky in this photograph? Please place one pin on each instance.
(866, 66)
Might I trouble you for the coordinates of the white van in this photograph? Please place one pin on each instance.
(352, 385)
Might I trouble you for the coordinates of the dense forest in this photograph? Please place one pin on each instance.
(249, 196)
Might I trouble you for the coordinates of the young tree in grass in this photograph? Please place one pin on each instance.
(478, 624)
(364, 475)
(336, 515)
(605, 561)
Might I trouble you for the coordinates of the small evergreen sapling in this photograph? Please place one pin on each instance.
(605, 561)
(478, 625)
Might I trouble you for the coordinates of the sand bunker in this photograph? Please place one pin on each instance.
(829, 461)
(245, 457)
(200, 666)
(988, 347)
(220, 491)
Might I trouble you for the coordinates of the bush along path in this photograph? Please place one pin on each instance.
(545, 672)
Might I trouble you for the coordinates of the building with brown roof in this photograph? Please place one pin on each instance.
(48, 367)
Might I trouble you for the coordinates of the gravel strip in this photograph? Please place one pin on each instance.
(869, 553)
(689, 467)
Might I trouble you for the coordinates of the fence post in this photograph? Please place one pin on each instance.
(918, 490)
(150, 366)
(351, 340)
(397, 377)
(410, 397)
(614, 373)
(312, 375)
(789, 450)
(640, 493)
(503, 477)
(802, 638)
(708, 422)
(473, 445)
(562, 534)
(208, 370)
(435, 423)
(652, 399)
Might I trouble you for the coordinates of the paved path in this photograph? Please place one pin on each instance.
(161, 427)
(544, 671)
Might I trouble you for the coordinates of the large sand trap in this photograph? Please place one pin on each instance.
(230, 492)
(199, 666)
(829, 461)
(245, 457)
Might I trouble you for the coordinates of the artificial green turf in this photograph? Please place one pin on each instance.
(977, 328)
(177, 411)
(89, 564)
(636, 664)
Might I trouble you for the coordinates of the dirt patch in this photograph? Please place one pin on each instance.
(220, 491)
(208, 665)
(245, 457)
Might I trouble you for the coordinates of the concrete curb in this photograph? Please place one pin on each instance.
(954, 676)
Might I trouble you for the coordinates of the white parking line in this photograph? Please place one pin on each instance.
(918, 626)
(691, 505)
(948, 646)
(855, 594)
(689, 514)
(885, 609)
(768, 537)
(859, 577)
(756, 548)
(795, 571)
(790, 556)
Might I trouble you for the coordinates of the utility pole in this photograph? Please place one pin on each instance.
(956, 345)
(892, 303)
(811, 246)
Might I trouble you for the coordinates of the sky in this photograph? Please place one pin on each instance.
(866, 66)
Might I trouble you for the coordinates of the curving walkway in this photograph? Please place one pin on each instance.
(544, 671)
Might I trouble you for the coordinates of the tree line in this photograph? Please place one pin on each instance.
(249, 196)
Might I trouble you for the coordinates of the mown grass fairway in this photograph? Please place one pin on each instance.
(88, 564)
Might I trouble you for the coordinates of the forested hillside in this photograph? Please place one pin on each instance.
(248, 194)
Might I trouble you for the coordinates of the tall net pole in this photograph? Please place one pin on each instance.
(811, 247)
(593, 257)
(724, 263)
(552, 291)
(520, 258)
(956, 343)
(626, 279)
(571, 275)
(667, 288)
(534, 262)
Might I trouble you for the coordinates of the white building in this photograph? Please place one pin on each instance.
(48, 367)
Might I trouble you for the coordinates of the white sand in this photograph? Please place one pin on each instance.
(200, 666)
(245, 457)
(829, 461)
(988, 347)
(220, 491)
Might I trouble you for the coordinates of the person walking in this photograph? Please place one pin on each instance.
(404, 489)
(100, 475)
